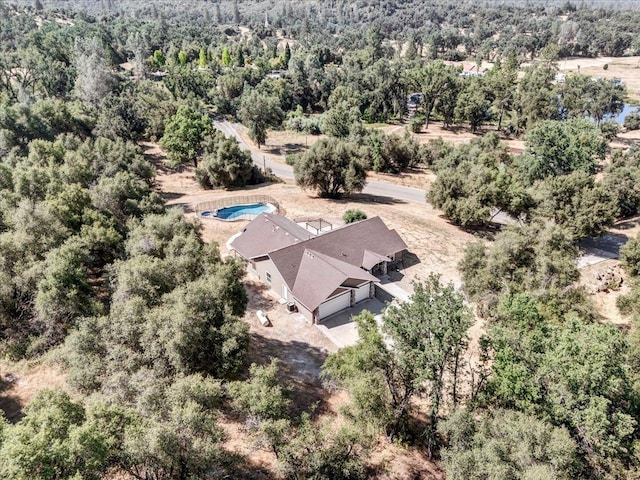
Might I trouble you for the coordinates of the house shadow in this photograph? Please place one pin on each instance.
(409, 259)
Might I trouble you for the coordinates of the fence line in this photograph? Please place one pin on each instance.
(239, 200)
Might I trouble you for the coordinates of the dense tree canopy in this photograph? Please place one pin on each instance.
(259, 112)
(419, 354)
(476, 181)
(506, 444)
(559, 147)
(145, 317)
(225, 165)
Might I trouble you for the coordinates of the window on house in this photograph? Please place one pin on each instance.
(268, 277)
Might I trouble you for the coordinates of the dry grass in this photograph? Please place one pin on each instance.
(20, 383)
(436, 243)
(626, 69)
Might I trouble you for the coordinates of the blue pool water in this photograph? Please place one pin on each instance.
(235, 211)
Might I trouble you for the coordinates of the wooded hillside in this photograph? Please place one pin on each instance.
(145, 319)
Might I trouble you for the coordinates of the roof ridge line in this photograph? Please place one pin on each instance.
(320, 255)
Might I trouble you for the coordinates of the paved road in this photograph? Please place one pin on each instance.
(373, 187)
(593, 250)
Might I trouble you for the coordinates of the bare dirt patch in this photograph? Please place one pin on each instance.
(393, 462)
(605, 299)
(625, 140)
(19, 384)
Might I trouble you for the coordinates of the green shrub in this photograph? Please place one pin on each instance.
(308, 125)
(609, 129)
(632, 121)
(416, 123)
(630, 257)
(351, 216)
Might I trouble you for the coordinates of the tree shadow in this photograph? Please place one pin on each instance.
(9, 404)
(455, 129)
(186, 207)
(256, 294)
(168, 196)
(485, 231)
(627, 142)
(300, 367)
(404, 174)
(300, 362)
(628, 223)
(368, 199)
(286, 149)
(609, 243)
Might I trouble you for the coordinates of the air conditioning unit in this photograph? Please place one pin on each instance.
(291, 307)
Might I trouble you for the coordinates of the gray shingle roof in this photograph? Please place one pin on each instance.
(268, 232)
(320, 275)
(358, 245)
(313, 267)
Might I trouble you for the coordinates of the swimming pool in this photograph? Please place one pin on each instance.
(234, 212)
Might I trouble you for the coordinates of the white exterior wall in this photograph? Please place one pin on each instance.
(334, 304)
(363, 292)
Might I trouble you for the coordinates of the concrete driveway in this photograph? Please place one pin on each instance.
(341, 329)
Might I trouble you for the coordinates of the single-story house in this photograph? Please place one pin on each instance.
(473, 70)
(324, 274)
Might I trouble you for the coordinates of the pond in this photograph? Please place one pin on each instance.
(626, 110)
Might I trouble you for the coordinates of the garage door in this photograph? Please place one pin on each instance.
(362, 292)
(334, 305)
